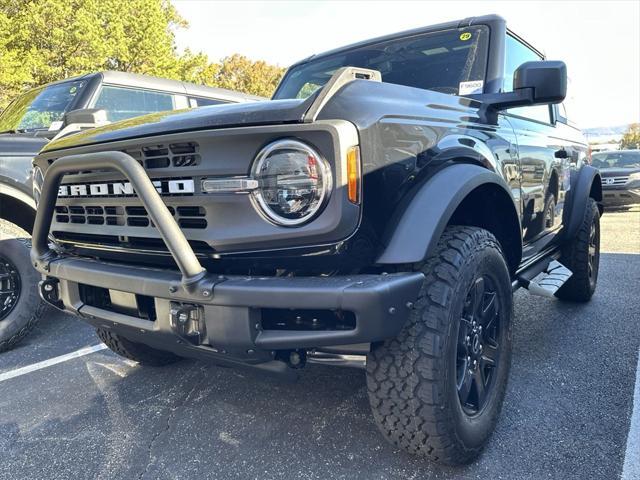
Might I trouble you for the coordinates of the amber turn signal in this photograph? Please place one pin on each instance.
(353, 174)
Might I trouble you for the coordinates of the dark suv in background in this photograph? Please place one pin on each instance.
(620, 172)
(54, 110)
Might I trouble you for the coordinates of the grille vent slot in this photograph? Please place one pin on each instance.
(132, 216)
(183, 154)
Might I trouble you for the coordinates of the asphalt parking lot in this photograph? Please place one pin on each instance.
(566, 414)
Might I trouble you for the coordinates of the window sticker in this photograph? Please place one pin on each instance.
(55, 125)
(465, 36)
(469, 88)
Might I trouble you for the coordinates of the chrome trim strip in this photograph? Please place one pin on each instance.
(229, 185)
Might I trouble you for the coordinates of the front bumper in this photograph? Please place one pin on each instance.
(620, 197)
(232, 307)
(225, 319)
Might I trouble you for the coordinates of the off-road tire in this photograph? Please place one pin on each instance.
(29, 307)
(576, 257)
(137, 352)
(411, 379)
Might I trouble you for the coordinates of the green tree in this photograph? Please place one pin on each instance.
(237, 72)
(47, 40)
(43, 41)
(631, 138)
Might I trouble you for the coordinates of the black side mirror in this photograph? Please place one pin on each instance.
(534, 83)
(547, 79)
(81, 119)
(86, 116)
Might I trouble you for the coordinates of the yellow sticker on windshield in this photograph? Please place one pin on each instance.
(465, 36)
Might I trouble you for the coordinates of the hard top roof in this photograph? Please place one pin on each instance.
(136, 80)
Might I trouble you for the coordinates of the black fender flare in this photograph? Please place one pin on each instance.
(17, 207)
(420, 220)
(585, 182)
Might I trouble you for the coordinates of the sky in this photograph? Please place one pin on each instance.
(598, 40)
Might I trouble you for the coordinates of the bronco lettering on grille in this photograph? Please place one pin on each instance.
(164, 187)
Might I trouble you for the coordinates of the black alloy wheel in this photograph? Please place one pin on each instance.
(20, 304)
(478, 350)
(10, 287)
(594, 253)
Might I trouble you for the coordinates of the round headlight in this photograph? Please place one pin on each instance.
(294, 182)
(38, 180)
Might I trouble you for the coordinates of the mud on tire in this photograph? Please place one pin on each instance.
(415, 384)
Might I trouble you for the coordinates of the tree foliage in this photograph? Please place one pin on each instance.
(239, 73)
(631, 138)
(46, 40)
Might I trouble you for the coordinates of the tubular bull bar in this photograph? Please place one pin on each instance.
(176, 242)
(228, 325)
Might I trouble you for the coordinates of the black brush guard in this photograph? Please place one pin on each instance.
(231, 304)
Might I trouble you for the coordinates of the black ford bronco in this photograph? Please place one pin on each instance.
(55, 110)
(386, 203)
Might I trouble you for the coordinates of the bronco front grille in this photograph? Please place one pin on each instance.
(164, 155)
(131, 216)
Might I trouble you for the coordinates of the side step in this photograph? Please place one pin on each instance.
(549, 281)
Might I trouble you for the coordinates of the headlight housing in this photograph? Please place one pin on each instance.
(634, 176)
(294, 182)
(38, 180)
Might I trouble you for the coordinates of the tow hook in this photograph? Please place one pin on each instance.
(187, 320)
(50, 292)
(293, 358)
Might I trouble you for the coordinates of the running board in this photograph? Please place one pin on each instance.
(549, 281)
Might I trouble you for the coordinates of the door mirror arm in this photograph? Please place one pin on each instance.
(534, 83)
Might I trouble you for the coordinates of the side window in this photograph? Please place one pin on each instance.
(122, 102)
(203, 102)
(517, 53)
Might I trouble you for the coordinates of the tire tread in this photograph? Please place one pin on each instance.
(137, 352)
(33, 316)
(575, 257)
(404, 378)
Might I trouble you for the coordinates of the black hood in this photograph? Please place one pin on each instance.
(20, 145)
(362, 102)
(216, 116)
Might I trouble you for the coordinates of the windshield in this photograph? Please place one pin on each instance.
(447, 61)
(616, 159)
(40, 108)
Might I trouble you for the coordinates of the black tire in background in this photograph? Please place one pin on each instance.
(436, 389)
(581, 255)
(137, 352)
(20, 303)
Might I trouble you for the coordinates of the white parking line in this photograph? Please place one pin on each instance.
(631, 468)
(52, 361)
